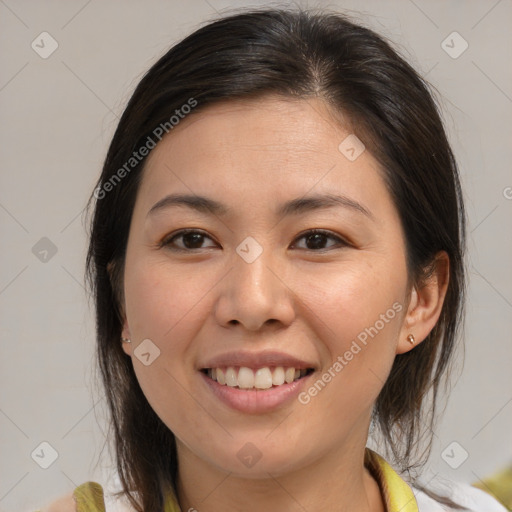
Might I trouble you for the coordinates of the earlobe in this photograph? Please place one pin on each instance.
(126, 339)
(425, 304)
(125, 333)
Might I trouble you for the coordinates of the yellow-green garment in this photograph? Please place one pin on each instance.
(499, 485)
(397, 495)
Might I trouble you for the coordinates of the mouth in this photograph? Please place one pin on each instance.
(256, 390)
(257, 379)
(256, 383)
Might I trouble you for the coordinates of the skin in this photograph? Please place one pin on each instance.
(296, 298)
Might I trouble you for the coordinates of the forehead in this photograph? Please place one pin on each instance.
(266, 149)
(271, 124)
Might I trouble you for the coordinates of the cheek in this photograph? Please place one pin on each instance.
(358, 313)
(352, 296)
(163, 306)
(160, 307)
(160, 303)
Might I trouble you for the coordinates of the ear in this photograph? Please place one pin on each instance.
(125, 333)
(425, 303)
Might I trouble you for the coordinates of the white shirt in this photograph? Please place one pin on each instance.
(475, 500)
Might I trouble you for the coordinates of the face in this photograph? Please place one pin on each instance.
(251, 285)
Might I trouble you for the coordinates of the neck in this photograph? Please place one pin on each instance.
(336, 481)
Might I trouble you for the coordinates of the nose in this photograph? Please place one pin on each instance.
(255, 295)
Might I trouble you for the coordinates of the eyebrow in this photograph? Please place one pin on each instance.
(293, 207)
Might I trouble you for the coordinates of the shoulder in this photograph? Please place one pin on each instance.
(473, 499)
(65, 503)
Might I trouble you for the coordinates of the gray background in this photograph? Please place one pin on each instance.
(57, 117)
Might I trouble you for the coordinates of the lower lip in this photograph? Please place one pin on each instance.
(256, 401)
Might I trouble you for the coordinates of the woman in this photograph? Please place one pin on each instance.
(276, 257)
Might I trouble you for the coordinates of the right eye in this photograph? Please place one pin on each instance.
(192, 239)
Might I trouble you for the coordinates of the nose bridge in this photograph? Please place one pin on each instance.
(252, 293)
(252, 274)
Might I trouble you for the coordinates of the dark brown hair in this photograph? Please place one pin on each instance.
(294, 54)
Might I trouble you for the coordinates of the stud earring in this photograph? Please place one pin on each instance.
(126, 340)
(411, 339)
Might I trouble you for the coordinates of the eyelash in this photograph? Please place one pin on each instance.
(168, 240)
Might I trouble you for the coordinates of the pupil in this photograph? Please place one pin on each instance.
(190, 240)
(317, 238)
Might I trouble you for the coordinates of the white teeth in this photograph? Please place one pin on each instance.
(262, 378)
(231, 378)
(221, 379)
(289, 375)
(245, 378)
(278, 376)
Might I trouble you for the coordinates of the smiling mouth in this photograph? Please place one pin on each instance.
(261, 378)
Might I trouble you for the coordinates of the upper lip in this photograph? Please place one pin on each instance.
(256, 360)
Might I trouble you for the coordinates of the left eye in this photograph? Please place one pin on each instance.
(192, 239)
(317, 237)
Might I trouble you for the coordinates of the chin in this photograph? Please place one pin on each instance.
(256, 460)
